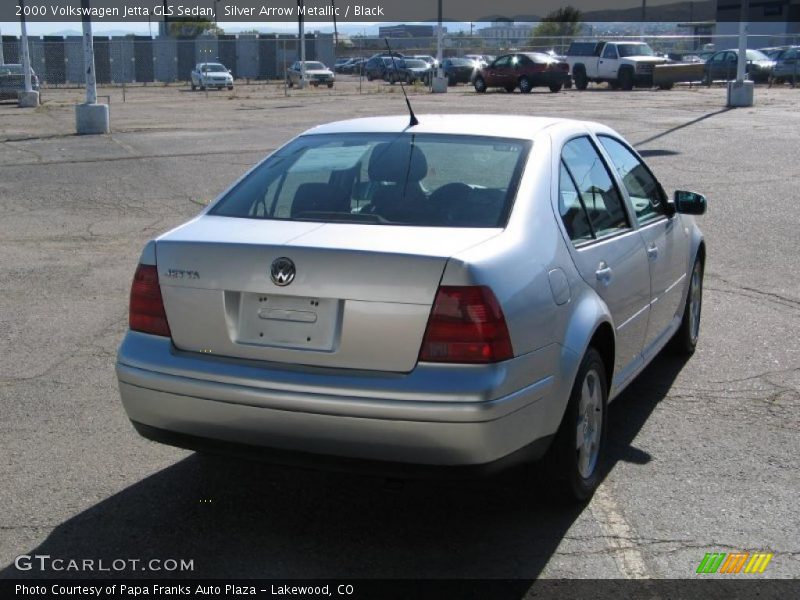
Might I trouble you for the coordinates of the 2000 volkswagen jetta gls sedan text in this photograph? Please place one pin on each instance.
(467, 291)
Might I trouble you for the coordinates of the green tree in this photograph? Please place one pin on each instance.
(193, 28)
(564, 22)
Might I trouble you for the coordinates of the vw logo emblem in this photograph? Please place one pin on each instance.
(282, 271)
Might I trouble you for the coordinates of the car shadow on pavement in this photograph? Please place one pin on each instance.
(238, 519)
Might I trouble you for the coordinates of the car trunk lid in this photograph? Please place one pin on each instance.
(360, 296)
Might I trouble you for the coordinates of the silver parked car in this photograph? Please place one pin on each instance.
(12, 81)
(316, 74)
(463, 292)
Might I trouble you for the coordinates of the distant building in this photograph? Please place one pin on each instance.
(506, 33)
(770, 23)
(406, 31)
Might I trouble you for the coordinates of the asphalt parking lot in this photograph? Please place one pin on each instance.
(703, 453)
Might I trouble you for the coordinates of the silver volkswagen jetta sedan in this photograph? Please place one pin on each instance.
(468, 291)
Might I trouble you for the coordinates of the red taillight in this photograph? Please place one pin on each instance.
(147, 307)
(466, 326)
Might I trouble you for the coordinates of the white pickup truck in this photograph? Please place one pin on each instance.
(621, 64)
(211, 75)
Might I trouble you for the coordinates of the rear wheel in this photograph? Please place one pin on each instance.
(581, 81)
(685, 339)
(480, 84)
(574, 461)
(555, 87)
(666, 86)
(525, 85)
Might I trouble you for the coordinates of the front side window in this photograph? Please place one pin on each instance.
(643, 189)
(610, 52)
(431, 180)
(596, 189)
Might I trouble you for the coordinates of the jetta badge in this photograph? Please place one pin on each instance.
(282, 272)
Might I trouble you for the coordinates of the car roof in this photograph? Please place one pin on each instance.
(501, 126)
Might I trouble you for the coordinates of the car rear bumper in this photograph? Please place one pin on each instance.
(436, 415)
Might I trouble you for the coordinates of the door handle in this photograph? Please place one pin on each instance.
(652, 252)
(604, 273)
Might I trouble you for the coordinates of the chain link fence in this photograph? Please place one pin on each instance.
(58, 61)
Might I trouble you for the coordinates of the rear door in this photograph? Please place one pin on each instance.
(499, 72)
(607, 249)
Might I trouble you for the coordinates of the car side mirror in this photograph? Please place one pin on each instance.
(690, 203)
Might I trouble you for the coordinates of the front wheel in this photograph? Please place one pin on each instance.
(480, 84)
(685, 339)
(555, 87)
(581, 81)
(230, 87)
(626, 79)
(666, 86)
(330, 85)
(525, 85)
(575, 459)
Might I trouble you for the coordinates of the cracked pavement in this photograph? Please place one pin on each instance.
(702, 454)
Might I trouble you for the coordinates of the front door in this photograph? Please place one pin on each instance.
(664, 238)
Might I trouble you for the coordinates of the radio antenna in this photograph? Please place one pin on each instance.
(413, 121)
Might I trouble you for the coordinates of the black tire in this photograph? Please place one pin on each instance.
(525, 85)
(666, 86)
(575, 477)
(330, 86)
(409, 80)
(626, 79)
(707, 80)
(194, 87)
(480, 85)
(614, 85)
(289, 83)
(555, 87)
(581, 81)
(451, 81)
(202, 88)
(684, 341)
(230, 88)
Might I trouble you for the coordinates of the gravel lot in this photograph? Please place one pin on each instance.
(703, 453)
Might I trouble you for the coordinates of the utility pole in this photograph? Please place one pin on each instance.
(27, 98)
(2, 59)
(90, 117)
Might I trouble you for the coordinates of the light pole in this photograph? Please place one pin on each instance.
(302, 40)
(740, 92)
(2, 59)
(439, 85)
(90, 117)
(27, 98)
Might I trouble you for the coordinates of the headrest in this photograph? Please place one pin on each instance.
(390, 162)
(320, 197)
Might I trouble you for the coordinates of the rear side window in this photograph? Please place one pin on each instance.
(387, 179)
(596, 189)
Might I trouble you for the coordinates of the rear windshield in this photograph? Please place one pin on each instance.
(429, 180)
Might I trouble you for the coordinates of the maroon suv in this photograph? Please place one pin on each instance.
(523, 70)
